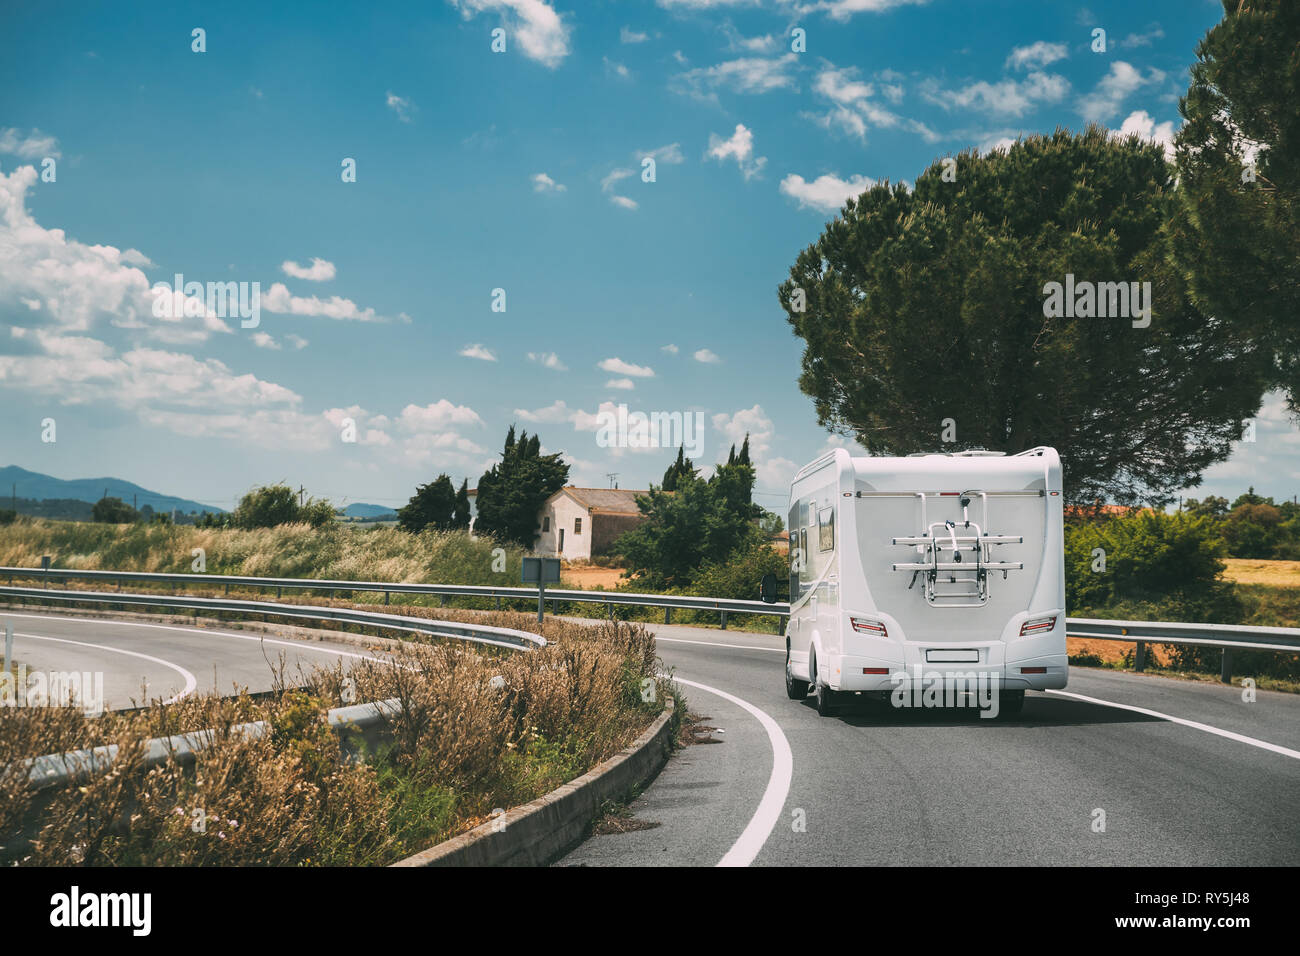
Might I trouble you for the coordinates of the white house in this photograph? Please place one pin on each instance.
(576, 523)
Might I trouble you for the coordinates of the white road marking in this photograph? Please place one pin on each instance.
(301, 645)
(1195, 725)
(739, 647)
(190, 683)
(761, 824)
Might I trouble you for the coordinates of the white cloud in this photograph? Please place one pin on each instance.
(669, 348)
(400, 105)
(319, 271)
(1036, 54)
(737, 43)
(437, 415)
(670, 154)
(614, 68)
(553, 414)
(1007, 97)
(826, 193)
(854, 109)
(628, 35)
(263, 341)
(297, 341)
(543, 183)
(618, 367)
(739, 147)
(548, 360)
(477, 351)
(1139, 122)
(707, 356)
(773, 473)
(1142, 39)
(1111, 91)
(624, 202)
(844, 9)
(532, 24)
(754, 75)
(31, 145)
(613, 177)
(74, 284)
(621, 383)
(278, 299)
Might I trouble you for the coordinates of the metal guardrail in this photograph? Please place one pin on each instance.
(669, 602)
(1141, 633)
(56, 770)
(477, 633)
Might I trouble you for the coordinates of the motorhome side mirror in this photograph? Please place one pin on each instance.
(767, 589)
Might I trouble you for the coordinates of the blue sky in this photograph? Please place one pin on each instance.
(476, 171)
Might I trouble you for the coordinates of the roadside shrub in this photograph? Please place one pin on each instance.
(1168, 563)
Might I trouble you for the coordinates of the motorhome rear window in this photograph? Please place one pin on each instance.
(826, 529)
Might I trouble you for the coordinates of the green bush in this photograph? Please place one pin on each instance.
(1155, 563)
(738, 576)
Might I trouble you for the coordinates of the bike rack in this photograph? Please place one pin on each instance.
(963, 583)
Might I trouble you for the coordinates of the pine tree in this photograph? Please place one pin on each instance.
(512, 491)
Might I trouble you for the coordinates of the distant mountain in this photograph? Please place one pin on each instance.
(31, 484)
(370, 512)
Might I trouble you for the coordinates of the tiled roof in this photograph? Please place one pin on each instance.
(616, 500)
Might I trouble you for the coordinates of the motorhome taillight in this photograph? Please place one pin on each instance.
(875, 670)
(874, 628)
(1033, 670)
(1034, 627)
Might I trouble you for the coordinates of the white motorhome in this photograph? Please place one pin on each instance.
(943, 565)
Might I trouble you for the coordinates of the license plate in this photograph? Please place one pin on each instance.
(952, 657)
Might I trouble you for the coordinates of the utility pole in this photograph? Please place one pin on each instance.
(302, 490)
(612, 476)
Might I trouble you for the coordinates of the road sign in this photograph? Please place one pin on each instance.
(541, 571)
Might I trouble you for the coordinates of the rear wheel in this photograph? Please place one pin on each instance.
(823, 696)
(795, 689)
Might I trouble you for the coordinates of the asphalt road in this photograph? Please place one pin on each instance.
(949, 788)
(142, 661)
(1192, 775)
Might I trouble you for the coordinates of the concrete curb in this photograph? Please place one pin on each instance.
(539, 832)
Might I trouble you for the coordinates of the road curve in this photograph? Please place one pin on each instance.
(1186, 773)
(141, 661)
(1217, 784)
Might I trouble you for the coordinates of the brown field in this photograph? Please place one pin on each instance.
(588, 576)
(1281, 574)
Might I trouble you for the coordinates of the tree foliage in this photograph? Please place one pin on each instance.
(113, 511)
(432, 506)
(682, 466)
(1237, 233)
(1171, 561)
(701, 524)
(268, 506)
(512, 492)
(928, 304)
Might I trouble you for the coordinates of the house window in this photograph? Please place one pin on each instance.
(546, 524)
(577, 526)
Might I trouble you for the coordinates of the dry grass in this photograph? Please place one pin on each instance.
(338, 551)
(461, 745)
(1281, 574)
